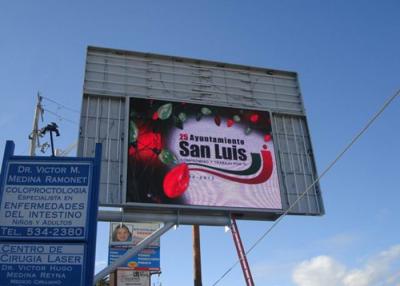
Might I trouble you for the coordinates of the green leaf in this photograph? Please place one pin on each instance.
(236, 118)
(178, 122)
(167, 157)
(165, 111)
(182, 116)
(247, 131)
(133, 132)
(206, 111)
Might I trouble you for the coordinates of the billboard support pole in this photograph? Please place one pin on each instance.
(241, 253)
(133, 251)
(197, 256)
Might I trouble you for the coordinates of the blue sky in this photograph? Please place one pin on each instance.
(347, 56)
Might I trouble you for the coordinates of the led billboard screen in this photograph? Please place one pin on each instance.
(194, 137)
(199, 155)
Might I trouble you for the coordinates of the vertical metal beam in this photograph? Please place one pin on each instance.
(241, 253)
(52, 143)
(197, 256)
(133, 251)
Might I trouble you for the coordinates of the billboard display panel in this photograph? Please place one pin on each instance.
(188, 154)
(116, 79)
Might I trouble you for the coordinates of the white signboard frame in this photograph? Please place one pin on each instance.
(132, 278)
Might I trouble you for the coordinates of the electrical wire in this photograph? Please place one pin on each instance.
(327, 169)
(60, 117)
(60, 105)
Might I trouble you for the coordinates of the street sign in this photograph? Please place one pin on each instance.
(41, 264)
(45, 199)
(48, 219)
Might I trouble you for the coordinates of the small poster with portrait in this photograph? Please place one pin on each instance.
(124, 236)
(121, 234)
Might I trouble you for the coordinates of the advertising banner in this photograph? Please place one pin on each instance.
(132, 278)
(124, 236)
(198, 155)
(45, 199)
(147, 259)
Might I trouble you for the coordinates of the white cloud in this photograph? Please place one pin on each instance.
(341, 240)
(380, 270)
(375, 270)
(393, 279)
(321, 270)
(268, 270)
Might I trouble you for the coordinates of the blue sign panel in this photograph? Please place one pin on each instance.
(41, 264)
(147, 259)
(45, 199)
(48, 219)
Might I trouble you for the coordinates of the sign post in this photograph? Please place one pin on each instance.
(48, 219)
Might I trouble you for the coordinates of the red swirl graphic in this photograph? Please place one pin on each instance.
(264, 175)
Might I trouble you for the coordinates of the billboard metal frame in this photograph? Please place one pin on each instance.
(112, 78)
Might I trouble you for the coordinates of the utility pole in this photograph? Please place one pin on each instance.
(196, 256)
(34, 136)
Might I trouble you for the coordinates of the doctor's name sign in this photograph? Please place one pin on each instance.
(45, 200)
(48, 210)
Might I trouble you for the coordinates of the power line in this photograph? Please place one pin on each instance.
(60, 105)
(60, 117)
(338, 157)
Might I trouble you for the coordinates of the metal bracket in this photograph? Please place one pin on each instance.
(176, 218)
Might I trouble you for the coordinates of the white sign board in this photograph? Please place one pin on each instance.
(133, 278)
